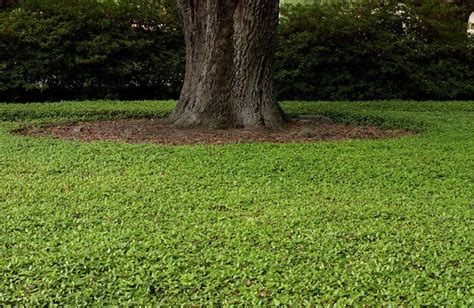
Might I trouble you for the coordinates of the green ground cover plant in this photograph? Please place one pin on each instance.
(376, 222)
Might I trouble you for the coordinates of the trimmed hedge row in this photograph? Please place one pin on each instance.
(375, 51)
(83, 49)
(53, 50)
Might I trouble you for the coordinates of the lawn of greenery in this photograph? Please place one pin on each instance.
(352, 222)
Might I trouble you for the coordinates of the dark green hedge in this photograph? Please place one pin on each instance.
(375, 51)
(84, 49)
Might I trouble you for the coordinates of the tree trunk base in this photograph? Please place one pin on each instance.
(273, 118)
(229, 65)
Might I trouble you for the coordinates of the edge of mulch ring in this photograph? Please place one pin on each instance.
(306, 128)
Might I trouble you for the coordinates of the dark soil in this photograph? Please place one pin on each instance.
(158, 131)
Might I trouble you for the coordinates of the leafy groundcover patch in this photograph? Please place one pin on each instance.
(363, 222)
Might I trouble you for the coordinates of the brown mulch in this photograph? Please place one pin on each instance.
(158, 131)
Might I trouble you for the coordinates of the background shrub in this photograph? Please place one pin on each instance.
(88, 49)
(85, 49)
(374, 50)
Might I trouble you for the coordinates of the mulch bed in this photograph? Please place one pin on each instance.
(158, 131)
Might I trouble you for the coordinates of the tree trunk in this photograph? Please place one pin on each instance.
(229, 64)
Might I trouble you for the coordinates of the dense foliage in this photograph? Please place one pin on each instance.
(370, 51)
(52, 50)
(361, 222)
(85, 49)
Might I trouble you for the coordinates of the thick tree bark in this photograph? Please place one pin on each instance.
(229, 64)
